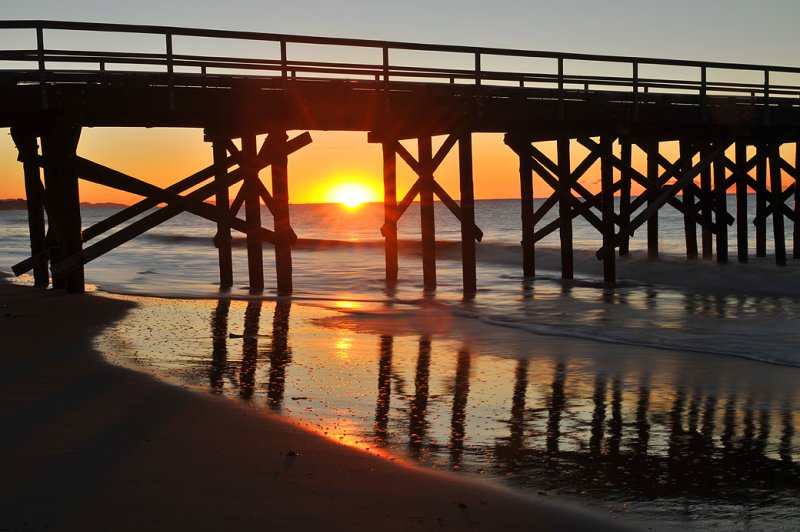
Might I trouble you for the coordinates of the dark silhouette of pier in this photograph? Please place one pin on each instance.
(729, 119)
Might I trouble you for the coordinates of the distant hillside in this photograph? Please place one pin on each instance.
(20, 204)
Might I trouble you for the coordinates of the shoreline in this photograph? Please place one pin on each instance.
(95, 446)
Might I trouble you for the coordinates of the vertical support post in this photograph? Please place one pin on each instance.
(427, 223)
(706, 236)
(526, 199)
(564, 209)
(607, 197)
(761, 202)
(389, 229)
(721, 209)
(252, 205)
(625, 154)
(59, 144)
(28, 151)
(796, 225)
(42, 68)
(468, 259)
(690, 229)
(222, 200)
(280, 211)
(741, 202)
(777, 201)
(652, 222)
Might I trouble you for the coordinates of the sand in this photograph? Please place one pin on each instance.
(88, 445)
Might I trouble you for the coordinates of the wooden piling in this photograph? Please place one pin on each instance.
(252, 205)
(468, 258)
(720, 208)
(761, 202)
(652, 222)
(527, 208)
(689, 227)
(607, 195)
(222, 200)
(741, 202)
(59, 144)
(625, 153)
(796, 225)
(389, 229)
(280, 212)
(34, 194)
(777, 200)
(427, 223)
(706, 236)
(564, 208)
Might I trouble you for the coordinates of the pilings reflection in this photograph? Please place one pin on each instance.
(631, 433)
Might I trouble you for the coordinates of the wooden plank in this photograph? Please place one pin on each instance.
(689, 225)
(527, 213)
(706, 203)
(148, 222)
(469, 231)
(454, 208)
(796, 224)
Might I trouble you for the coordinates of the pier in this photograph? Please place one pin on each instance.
(730, 121)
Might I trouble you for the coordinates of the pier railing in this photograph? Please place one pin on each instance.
(388, 64)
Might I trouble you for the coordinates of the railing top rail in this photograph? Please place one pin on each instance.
(368, 43)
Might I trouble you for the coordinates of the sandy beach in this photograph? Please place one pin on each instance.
(88, 445)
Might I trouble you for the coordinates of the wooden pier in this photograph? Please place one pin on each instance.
(730, 130)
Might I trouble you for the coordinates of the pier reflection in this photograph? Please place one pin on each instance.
(610, 433)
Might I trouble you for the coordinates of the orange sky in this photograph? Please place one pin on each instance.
(163, 156)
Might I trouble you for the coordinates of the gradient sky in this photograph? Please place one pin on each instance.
(762, 32)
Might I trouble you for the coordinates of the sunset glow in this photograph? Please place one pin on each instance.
(351, 195)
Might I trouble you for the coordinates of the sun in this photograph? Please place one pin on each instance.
(350, 195)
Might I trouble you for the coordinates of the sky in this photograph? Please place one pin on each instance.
(762, 32)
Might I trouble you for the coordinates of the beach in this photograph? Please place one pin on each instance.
(91, 446)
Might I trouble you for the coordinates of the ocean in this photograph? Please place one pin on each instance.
(669, 399)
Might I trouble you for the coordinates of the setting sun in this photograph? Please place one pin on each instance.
(351, 195)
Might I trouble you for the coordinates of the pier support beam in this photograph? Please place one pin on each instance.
(389, 229)
(222, 200)
(706, 237)
(776, 187)
(564, 208)
(280, 212)
(59, 144)
(427, 222)
(527, 206)
(252, 205)
(761, 202)
(741, 202)
(720, 208)
(796, 209)
(652, 222)
(607, 194)
(689, 227)
(34, 194)
(468, 258)
(625, 154)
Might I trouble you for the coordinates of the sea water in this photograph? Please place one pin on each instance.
(684, 415)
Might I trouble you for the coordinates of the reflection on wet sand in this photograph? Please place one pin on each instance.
(604, 434)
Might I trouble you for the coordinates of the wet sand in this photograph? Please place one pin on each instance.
(88, 445)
